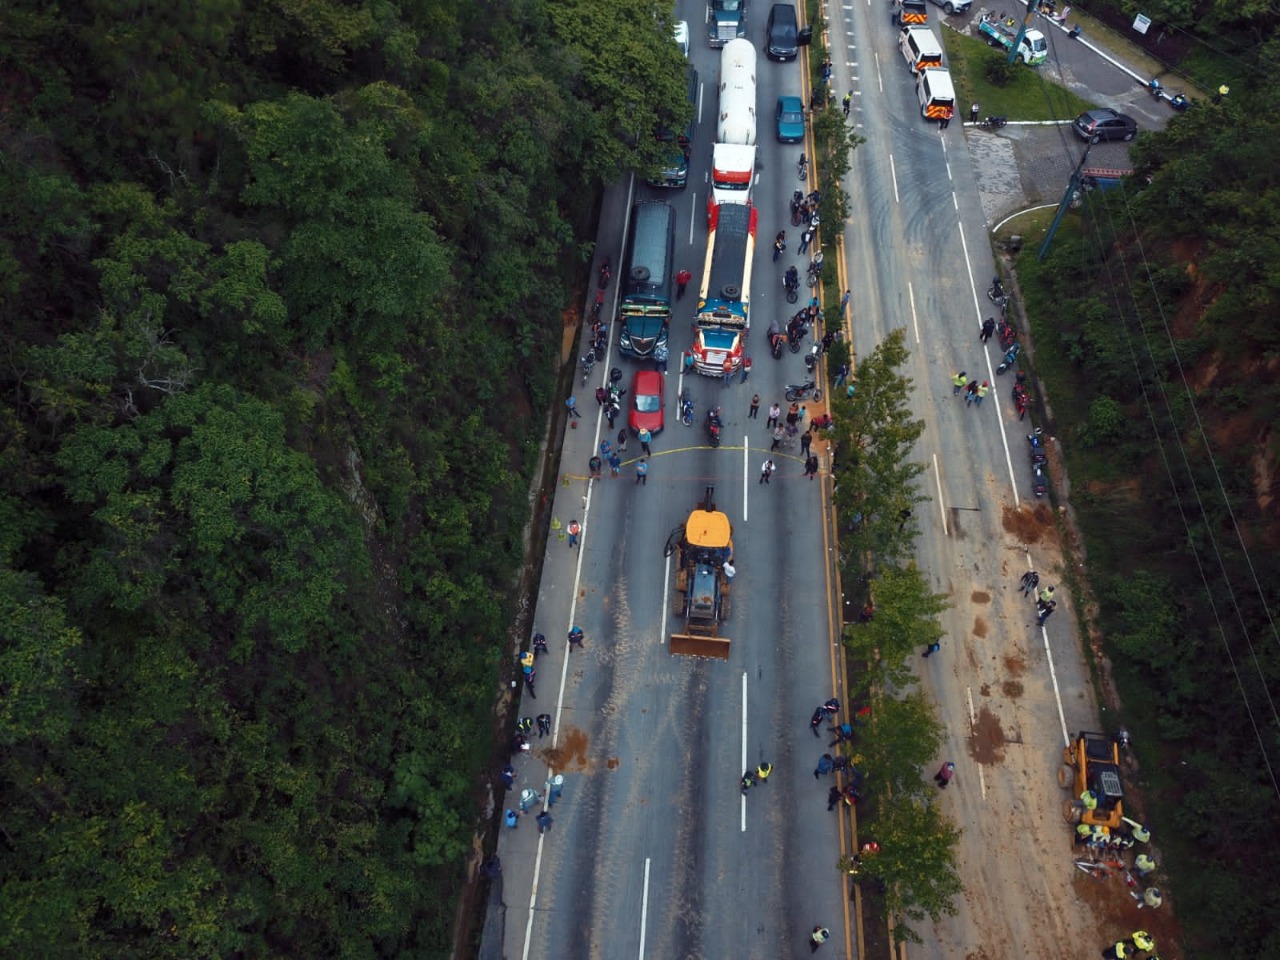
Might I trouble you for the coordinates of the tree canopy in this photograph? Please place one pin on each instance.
(282, 287)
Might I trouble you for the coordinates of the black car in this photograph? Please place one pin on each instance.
(1104, 124)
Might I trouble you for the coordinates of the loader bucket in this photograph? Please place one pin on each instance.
(690, 645)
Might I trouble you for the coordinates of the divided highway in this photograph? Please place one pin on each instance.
(653, 851)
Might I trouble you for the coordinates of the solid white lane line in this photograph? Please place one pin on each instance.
(744, 746)
(915, 320)
(644, 907)
(991, 377)
(942, 507)
(746, 476)
(893, 175)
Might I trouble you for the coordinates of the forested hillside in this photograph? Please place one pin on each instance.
(281, 288)
(1155, 326)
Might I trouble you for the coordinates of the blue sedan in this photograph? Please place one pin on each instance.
(790, 120)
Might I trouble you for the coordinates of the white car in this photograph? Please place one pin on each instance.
(682, 36)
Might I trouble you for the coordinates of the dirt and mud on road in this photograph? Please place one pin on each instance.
(1010, 696)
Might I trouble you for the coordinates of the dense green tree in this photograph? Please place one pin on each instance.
(873, 437)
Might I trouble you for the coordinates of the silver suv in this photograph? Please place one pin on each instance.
(954, 6)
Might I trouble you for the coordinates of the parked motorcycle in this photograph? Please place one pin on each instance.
(1007, 333)
(996, 294)
(791, 284)
(588, 364)
(815, 269)
(1039, 479)
(1021, 398)
(797, 204)
(1010, 357)
(803, 391)
(993, 123)
(811, 359)
(605, 273)
(686, 410)
(1038, 452)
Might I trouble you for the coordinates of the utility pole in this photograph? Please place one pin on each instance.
(1022, 32)
(1073, 184)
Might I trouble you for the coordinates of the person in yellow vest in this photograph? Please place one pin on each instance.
(819, 936)
(1143, 864)
(958, 382)
(763, 771)
(1136, 830)
(1083, 833)
(1120, 950)
(1090, 801)
(1143, 940)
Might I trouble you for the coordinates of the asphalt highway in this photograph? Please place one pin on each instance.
(653, 850)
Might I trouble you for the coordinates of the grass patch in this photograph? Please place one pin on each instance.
(1029, 96)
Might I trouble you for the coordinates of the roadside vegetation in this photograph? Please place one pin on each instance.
(282, 292)
(913, 876)
(898, 738)
(1153, 327)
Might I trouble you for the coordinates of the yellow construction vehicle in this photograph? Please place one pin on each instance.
(1091, 762)
(704, 545)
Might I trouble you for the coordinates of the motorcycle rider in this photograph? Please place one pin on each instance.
(791, 279)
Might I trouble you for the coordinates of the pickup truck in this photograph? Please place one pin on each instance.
(1003, 33)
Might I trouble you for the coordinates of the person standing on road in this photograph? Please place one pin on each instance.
(766, 471)
(982, 393)
(645, 437)
(544, 725)
(1046, 611)
(844, 302)
(1030, 580)
(775, 412)
(575, 637)
(543, 820)
(815, 722)
(973, 113)
(988, 328)
(848, 102)
(958, 382)
(970, 392)
(833, 798)
(811, 466)
(777, 438)
(746, 368)
(682, 281)
(819, 936)
(615, 465)
(622, 440)
(595, 464)
(755, 408)
(571, 407)
(779, 244)
(825, 766)
(511, 818)
(806, 238)
(730, 571)
(575, 531)
(931, 649)
(555, 787)
(944, 774)
(806, 439)
(642, 473)
(1046, 595)
(727, 371)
